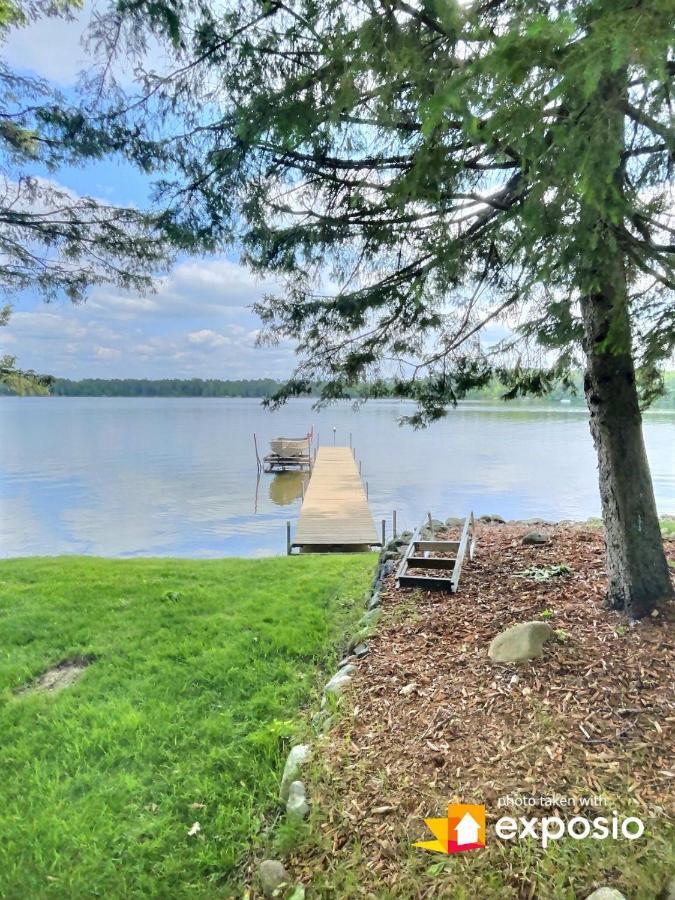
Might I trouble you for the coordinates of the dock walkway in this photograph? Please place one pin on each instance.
(335, 512)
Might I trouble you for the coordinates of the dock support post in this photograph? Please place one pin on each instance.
(393, 522)
(288, 538)
(257, 457)
(384, 531)
(366, 490)
(334, 432)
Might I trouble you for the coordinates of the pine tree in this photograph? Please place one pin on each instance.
(53, 242)
(419, 171)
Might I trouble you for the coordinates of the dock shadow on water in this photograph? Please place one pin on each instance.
(60, 676)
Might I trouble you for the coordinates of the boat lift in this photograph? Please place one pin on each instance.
(286, 454)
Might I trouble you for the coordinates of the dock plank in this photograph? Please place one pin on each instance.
(335, 509)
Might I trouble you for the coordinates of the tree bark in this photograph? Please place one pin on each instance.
(636, 563)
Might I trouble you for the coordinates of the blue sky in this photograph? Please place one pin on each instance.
(197, 324)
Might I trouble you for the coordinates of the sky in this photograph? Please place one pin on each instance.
(196, 325)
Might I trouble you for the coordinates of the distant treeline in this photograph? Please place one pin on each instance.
(263, 387)
(165, 387)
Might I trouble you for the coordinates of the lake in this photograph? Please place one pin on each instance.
(137, 477)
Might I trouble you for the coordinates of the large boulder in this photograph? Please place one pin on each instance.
(273, 875)
(535, 537)
(294, 763)
(520, 642)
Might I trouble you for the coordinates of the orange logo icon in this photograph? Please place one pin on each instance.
(464, 829)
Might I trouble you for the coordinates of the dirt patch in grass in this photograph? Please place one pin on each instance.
(434, 721)
(60, 676)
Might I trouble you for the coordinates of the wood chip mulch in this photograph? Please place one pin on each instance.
(433, 720)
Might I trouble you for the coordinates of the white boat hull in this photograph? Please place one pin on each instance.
(290, 447)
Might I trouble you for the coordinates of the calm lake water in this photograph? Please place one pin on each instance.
(127, 477)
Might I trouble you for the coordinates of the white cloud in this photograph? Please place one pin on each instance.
(107, 353)
(208, 338)
(195, 287)
(54, 48)
(196, 325)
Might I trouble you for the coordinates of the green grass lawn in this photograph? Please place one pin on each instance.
(198, 673)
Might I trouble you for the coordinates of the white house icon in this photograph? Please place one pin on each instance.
(467, 830)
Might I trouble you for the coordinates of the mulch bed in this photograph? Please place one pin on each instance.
(435, 721)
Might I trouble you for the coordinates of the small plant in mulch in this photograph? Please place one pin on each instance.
(544, 573)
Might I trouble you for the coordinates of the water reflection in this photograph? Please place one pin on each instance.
(124, 477)
(285, 487)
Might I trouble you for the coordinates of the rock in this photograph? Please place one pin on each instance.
(492, 517)
(338, 684)
(361, 650)
(374, 601)
(520, 642)
(346, 661)
(428, 532)
(388, 568)
(408, 689)
(294, 762)
(322, 721)
(606, 893)
(369, 618)
(272, 875)
(349, 669)
(405, 537)
(670, 887)
(535, 537)
(389, 554)
(453, 521)
(297, 806)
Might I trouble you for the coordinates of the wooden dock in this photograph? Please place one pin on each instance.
(335, 514)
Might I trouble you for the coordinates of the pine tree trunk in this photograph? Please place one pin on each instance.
(636, 562)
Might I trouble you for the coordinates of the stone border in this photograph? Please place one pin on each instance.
(273, 877)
